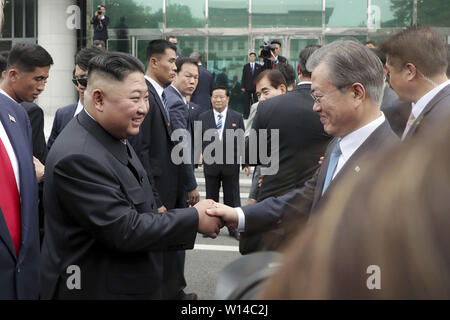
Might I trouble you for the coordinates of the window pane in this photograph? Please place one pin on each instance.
(228, 14)
(392, 13)
(141, 14)
(185, 14)
(5, 45)
(346, 13)
(18, 18)
(286, 13)
(120, 45)
(226, 66)
(187, 45)
(434, 13)
(297, 45)
(29, 18)
(329, 39)
(6, 31)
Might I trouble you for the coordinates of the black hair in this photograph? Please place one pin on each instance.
(288, 73)
(158, 46)
(380, 54)
(304, 56)
(3, 63)
(84, 55)
(180, 61)
(115, 64)
(252, 53)
(28, 56)
(276, 41)
(221, 88)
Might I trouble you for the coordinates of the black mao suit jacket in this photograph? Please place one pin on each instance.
(101, 218)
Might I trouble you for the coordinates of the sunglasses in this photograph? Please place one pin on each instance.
(82, 82)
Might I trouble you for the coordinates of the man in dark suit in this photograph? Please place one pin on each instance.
(347, 84)
(80, 74)
(277, 58)
(97, 192)
(26, 74)
(218, 169)
(100, 21)
(249, 73)
(417, 63)
(202, 94)
(154, 147)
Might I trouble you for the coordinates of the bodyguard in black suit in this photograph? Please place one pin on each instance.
(217, 172)
(154, 147)
(349, 109)
(249, 73)
(104, 237)
(202, 93)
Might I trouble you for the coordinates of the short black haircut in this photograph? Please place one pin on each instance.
(304, 56)
(117, 65)
(288, 72)
(28, 56)
(380, 54)
(180, 61)
(275, 41)
(159, 46)
(84, 55)
(252, 53)
(220, 88)
(3, 63)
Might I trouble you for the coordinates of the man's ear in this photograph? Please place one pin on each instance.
(358, 92)
(13, 74)
(411, 71)
(98, 100)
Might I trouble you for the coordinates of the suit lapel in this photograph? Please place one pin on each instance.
(433, 103)
(22, 149)
(160, 107)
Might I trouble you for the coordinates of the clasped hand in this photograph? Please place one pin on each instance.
(212, 216)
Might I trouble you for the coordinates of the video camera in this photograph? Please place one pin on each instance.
(99, 10)
(267, 48)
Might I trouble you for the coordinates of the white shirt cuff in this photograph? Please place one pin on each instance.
(241, 219)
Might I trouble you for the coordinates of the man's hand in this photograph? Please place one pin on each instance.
(208, 225)
(243, 89)
(162, 209)
(260, 180)
(247, 170)
(228, 214)
(321, 160)
(194, 197)
(39, 168)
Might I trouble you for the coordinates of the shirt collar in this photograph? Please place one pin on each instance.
(418, 107)
(351, 142)
(79, 108)
(158, 88)
(223, 113)
(182, 96)
(4, 92)
(304, 82)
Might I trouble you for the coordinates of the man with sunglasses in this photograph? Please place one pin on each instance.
(80, 75)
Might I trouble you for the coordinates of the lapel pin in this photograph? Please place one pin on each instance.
(357, 169)
(12, 118)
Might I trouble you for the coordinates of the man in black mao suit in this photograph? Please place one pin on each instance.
(104, 237)
(349, 109)
(220, 171)
(26, 74)
(202, 93)
(154, 147)
(249, 73)
(421, 77)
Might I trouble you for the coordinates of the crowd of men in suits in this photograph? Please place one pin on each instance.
(121, 212)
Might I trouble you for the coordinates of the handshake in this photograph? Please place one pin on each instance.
(212, 216)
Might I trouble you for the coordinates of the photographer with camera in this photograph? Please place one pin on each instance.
(270, 54)
(100, 21)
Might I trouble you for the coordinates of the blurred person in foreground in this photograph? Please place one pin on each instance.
(102, 220)
(399, 226)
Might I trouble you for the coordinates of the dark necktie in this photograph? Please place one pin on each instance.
(334, 158)
(164, 100)
(9, 197)
(253, 68)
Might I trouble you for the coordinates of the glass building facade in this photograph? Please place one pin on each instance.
(225, 31)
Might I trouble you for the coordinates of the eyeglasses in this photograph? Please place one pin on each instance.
(82, 82)
(317, 99)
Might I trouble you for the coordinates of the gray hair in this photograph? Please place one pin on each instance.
(350, 62)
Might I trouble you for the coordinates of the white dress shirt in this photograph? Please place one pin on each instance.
(418, 107)
(9, 148)
(224, 116)
(158, 88)
(78, 109)
(348, 144)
